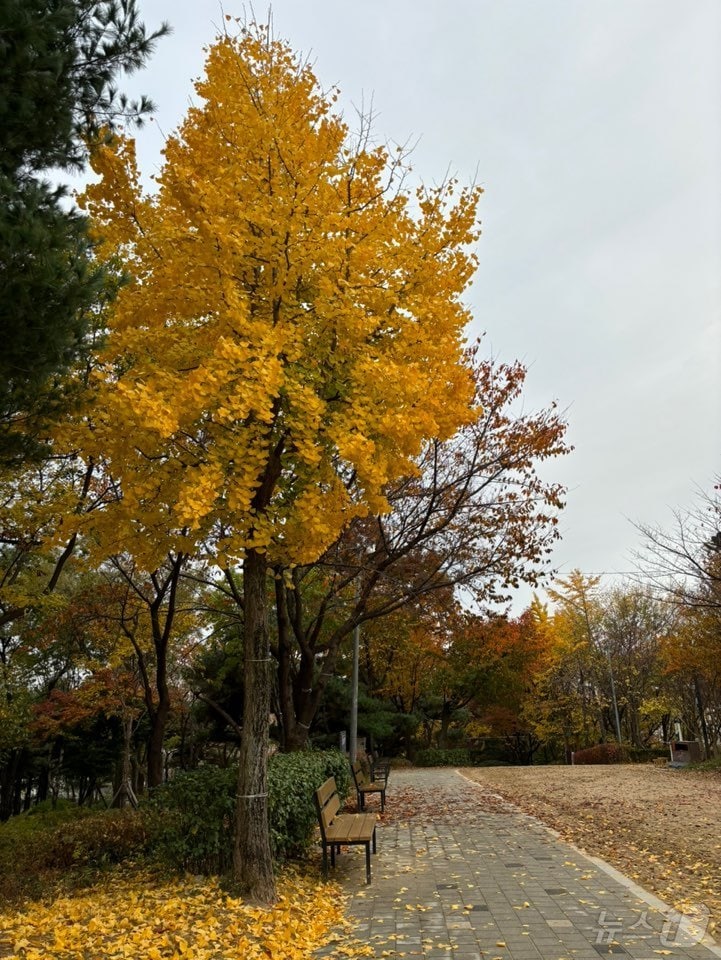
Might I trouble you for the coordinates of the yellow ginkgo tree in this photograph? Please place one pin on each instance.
(292, 333)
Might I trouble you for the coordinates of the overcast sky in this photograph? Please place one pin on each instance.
(595, 130)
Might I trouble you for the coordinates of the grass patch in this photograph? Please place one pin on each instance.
(706, 766)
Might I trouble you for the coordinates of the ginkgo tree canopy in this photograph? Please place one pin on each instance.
(292, 330)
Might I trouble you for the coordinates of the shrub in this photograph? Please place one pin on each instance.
(443, 758)
(191, 819)
(35, 825)
(72, 836)
(603, 753)
(24, 843)
(99, 839)
(192, 816)
(292, 780)
(646, 754)
(35, 845)
(400, 763)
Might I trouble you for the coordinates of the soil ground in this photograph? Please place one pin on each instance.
(659, 826)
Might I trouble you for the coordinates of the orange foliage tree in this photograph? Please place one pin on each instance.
(463, 675)
(474, 514)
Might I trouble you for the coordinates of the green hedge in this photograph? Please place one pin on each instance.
(191, 819)
(193, 815)
(646, 754)
(443, 758)
(292, 780)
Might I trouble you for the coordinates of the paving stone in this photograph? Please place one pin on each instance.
(484, 880)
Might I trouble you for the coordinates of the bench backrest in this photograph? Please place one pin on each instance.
(359, 775)
(327, 804)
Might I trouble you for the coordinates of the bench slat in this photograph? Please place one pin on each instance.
(342, 828)
(356, 829)
(326, 791)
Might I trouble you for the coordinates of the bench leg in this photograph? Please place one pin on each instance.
(383, 800)
(368, 861)
(325, 860)
(332, 854)
(374, 839)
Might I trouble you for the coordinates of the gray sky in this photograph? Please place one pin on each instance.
(595, 130)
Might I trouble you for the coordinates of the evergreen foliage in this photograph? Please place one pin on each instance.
(59, 60)
(192, 820)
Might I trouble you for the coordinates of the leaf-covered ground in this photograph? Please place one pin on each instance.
(659, 826)
(137, 914)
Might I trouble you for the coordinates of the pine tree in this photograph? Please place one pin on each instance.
(58, 64)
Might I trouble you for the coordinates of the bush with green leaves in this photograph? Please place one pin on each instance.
(191, 819)
(443, 758)
(192, 816)
(292, 780)
(646, 754)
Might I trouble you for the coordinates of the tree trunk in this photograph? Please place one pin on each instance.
(166, 593)
(124, 790)
(158, 723)
(708, 752)
(446, 714)
(304, 696)
(634, 724)
(44, 781)
(296, 738)
(286, 714)
(9, 774)
(252, 859)
(297, 695)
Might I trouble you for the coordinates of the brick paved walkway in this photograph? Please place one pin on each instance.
(462, 875)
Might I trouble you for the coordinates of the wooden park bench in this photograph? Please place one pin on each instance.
(364, 785)
(338, 829)
(380, 767)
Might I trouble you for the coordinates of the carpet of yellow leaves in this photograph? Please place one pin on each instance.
(134, 913)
